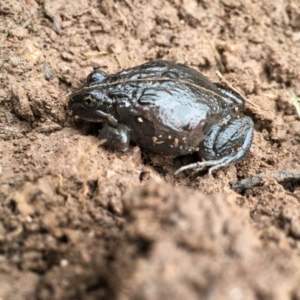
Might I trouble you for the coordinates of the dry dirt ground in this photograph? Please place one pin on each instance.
(75, 220)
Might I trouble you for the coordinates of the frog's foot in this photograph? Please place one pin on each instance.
(212, 165)
(115, 138)
(227, 142)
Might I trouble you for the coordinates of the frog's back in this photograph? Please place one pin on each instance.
(162, 69)
(168, 106)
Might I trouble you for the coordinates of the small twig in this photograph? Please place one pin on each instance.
(60, 189)
(90, 54)
(26, 23)
(272, 96)
(56, 25)
(82, 196)
(116, 56)
(296, 103)
(216, 54)
(226, 83)
(282, 176)
(15, 233)
(127, 3)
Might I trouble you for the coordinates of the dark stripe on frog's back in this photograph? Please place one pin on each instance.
(189, 74)
(148, 70)
(163, 70)
(160, 71)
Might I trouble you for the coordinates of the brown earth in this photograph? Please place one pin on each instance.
(75, 220)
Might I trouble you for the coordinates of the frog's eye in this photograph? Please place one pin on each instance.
(90, 101)
(96, 77)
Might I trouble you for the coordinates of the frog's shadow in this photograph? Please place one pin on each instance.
(163, 166)
(87, 128)
(148, 158)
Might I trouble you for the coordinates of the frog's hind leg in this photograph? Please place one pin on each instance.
(228, 141)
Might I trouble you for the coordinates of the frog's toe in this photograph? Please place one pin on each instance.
(215, 164)
(214, 168)
(186, 167)
(211, 164)
(198, 166)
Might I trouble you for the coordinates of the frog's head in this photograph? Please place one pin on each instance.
(91, 102)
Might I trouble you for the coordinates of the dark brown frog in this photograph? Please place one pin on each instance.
(169, 109)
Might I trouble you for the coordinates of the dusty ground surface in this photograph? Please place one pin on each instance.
(77, 223)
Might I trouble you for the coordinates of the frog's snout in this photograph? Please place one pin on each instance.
(76, 106)
(86, 106)
(72, 103)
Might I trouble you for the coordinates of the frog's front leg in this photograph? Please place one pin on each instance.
(116, 138)
(228, 141)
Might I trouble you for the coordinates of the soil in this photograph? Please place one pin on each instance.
(79, 221)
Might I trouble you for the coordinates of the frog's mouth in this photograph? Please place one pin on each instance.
(91, 114)
(99, 117)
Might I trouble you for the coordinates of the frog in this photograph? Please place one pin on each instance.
(167, 108)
